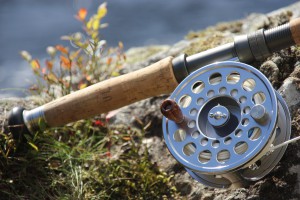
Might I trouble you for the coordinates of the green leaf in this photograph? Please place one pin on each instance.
(33, 146)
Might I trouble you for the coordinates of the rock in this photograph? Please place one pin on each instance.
(159, 154)
(290, 93)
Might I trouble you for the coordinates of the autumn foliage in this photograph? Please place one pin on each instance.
(85, 60)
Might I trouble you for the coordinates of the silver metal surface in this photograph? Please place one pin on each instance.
(218, 116)
(34, 118)
(221, 138)
(259, 113)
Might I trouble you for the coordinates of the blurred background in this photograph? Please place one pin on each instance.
(33, 25)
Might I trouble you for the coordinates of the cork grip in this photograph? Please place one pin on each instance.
(295, 30)
(111, 94)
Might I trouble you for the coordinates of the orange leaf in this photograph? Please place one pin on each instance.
(88, 78)
(109, 60)
(81, 14)
(62, 49)
(65, 62)
(127, 138)
(49, 64)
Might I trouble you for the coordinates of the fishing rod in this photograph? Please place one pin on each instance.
(230, 112)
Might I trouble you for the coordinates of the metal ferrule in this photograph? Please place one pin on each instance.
(34, 119)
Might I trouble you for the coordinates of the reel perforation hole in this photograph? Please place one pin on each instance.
(227, 140)
(259, 98)
(200, 101)
(198, 87)
(215, 79)
(222, 90)
(241, 147)
(205, 156)
(233, 78)
(179, 135)
(246, 110)
(231, 114)
(210, 93)
(193, 112)
(204, 141)
(192, 124)
(234, 92)
(189, 149)
(215, 144)
(223, 156)
(249, 84)
(242, 99)
(254, 133)
(185, 101)
(245, 121)
(195, 134)
(238, 133)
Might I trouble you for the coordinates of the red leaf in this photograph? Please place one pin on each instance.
(99, 123)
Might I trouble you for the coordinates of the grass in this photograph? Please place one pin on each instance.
(88, 159)
(82, 161)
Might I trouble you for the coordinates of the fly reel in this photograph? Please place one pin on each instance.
(222, 121)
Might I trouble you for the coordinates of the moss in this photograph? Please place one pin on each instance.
(213, 36)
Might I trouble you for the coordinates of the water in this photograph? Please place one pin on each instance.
(33, 25)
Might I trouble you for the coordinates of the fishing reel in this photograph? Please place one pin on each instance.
(222, 122)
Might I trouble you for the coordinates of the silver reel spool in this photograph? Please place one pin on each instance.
(232, 118)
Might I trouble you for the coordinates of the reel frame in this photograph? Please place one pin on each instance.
(232, 117)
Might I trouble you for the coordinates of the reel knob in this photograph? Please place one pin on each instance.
(232, 118)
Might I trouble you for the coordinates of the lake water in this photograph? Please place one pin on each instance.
(33, 25)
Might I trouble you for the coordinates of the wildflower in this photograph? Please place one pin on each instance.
(25, 55)
(51, 51)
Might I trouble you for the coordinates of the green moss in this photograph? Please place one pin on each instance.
(212, 36)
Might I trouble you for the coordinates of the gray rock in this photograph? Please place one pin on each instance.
(290, 93)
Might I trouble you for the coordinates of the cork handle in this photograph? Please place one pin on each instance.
(295, 30)
(111, 94)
